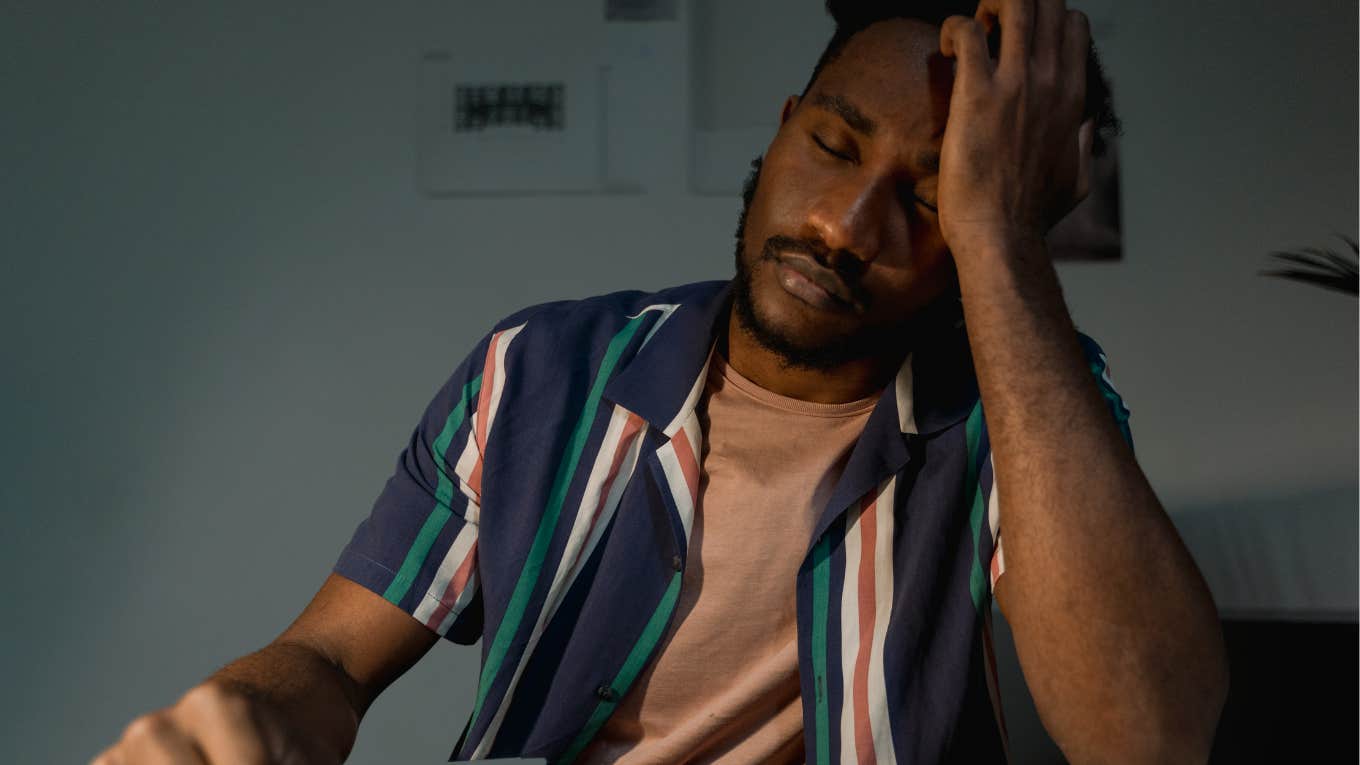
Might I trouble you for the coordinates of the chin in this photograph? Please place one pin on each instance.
(802, 336)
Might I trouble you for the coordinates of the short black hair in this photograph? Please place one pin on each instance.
(853, 16)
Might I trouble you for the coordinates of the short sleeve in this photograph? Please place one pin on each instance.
(1100, 370)
(418, 546)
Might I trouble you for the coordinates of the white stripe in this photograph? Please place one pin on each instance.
(498, 382)
(692, 400)
(464, 598)
(611, 503)
(1000, 555)
(883, 597)
(850, 632)
(679, 487)
(580, 529)
(694, 433)
(665, 309)
(454, 558)
(468, 460)
(906, 406)
(562, 578)
(994, 523)
(993, 510)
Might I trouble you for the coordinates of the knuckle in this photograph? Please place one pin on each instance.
(213, 702)
(147, 726)
(206, 697)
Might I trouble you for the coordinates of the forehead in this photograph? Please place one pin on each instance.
(893, 71)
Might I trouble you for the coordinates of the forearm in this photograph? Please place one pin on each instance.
(317, 700)
(1115, 629)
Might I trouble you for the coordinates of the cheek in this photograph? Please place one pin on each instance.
(783, 199)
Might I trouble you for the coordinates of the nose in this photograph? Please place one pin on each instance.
(850, 216)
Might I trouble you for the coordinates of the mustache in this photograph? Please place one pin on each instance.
(843, 263)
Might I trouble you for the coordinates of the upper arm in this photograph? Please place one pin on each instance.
(365, 636)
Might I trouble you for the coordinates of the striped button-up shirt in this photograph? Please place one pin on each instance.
(544, 506)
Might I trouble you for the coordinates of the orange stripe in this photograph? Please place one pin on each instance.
(630, 429)
(483, 407)
(684, 454)
(454, 589)
(868, 531)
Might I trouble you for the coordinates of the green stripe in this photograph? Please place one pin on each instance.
(538, 551)
(1112, 398)
(821, 593)
(637, 657)
(441, 512)
(977, 581)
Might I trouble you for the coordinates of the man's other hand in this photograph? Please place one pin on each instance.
(213, 724)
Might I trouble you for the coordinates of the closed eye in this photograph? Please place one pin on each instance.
(837, 154)
(909, 196)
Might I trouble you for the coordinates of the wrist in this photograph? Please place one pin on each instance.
(1011, 249)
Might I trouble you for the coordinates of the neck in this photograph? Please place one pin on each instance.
(851, 381)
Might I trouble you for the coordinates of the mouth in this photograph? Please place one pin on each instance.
(813, 284)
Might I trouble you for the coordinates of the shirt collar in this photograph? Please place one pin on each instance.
(935, 387)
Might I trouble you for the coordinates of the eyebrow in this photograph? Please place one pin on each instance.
(846, 111)
(927, 160)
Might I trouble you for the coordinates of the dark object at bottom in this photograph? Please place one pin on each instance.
(1292, 696)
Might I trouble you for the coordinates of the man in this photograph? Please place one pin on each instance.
(760, 522)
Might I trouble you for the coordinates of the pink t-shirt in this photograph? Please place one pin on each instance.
(724, 687)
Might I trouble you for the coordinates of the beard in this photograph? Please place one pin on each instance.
(797, 350)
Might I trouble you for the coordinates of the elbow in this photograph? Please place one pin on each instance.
(1215, 697)
(1187, 718)
(1172, 717)
(1190, 693)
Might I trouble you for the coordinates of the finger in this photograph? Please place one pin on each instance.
(1016, 19)
(223, 724)
(964, 40)
(1050, 24)
(1075, 49)
(155, 740)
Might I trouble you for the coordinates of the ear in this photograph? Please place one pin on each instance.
(790, 104)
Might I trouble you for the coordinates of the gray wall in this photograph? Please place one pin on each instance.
(223, 305)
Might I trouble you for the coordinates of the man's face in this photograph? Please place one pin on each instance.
(840, 245)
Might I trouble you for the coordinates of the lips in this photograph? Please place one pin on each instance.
(814, 284)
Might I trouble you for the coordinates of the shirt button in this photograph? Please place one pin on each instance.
(675, 562)
(606, 693)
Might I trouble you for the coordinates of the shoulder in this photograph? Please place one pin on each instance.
(1096, 360)
(1094, 353)
(607, 308)
(572, 328)
(1099, 364)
